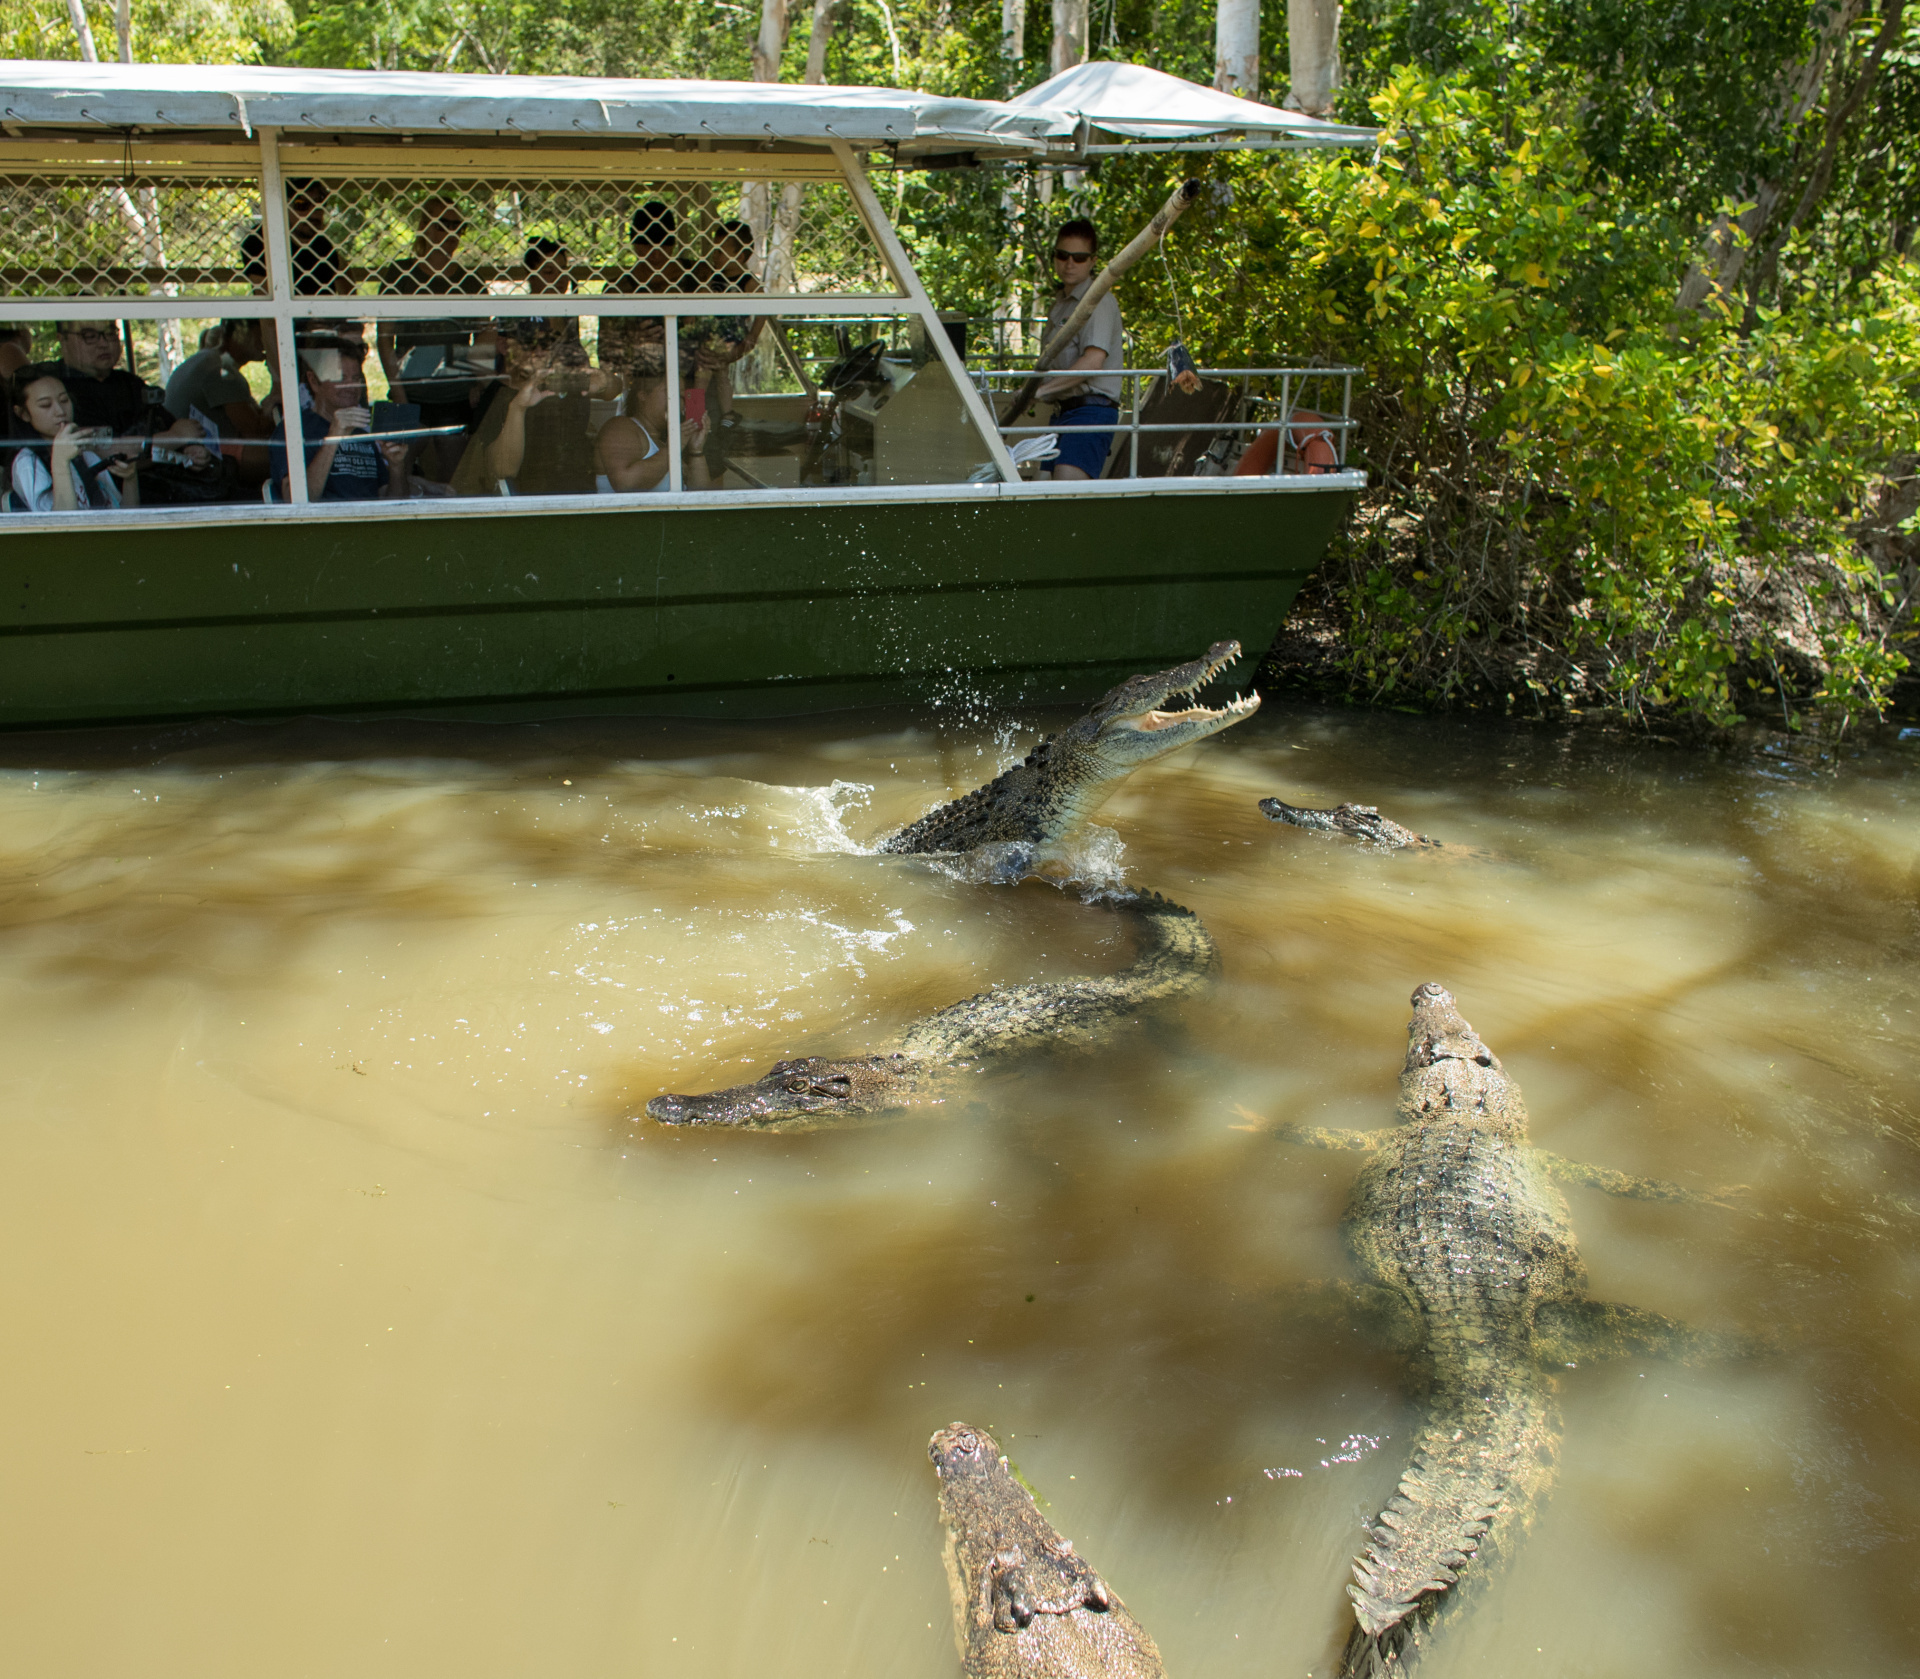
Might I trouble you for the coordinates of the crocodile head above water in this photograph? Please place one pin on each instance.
(802, 1090)
(1068, 776)
(1025, 1606)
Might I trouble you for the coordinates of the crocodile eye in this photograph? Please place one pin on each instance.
(796, 1085)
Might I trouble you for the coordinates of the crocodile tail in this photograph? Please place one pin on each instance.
(1173, 943)
(1479, 1466)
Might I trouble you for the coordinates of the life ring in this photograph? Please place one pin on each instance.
(1311, 442)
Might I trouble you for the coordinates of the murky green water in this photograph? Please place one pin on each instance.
(354, 1327)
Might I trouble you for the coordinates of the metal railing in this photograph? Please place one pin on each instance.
(1290, 402)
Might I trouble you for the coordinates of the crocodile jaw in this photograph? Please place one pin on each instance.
(1135, 723)
(798, 1091)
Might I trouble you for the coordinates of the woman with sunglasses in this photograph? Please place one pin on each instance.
(1087, 405)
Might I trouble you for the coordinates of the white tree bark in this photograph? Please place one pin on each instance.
(1313, 45)
(1013, 30)
(1236, 47)
(82, 31)
(771, 42)
(1069, 35)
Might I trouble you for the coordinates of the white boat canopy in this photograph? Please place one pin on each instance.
(1052, 122)
(1152, 111)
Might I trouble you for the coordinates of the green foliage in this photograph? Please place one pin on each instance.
(1571, 488)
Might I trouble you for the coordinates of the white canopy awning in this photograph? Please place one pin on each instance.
(1147, 108)
(1143, 105)
(70, 94)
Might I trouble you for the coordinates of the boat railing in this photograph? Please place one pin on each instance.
(1312, 407)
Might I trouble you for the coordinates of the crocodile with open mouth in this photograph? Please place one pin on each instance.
(1024, 1605)
(1068, 776)
(1469, 1246)
(1174, 958)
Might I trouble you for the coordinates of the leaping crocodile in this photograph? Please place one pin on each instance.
(1457, 1225)
(1068, 776)
(1362, 821)
(1024, 1605)
(1175, 958)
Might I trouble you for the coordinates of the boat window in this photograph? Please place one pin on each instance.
(468, 403)
(96, 229)
(453, 234)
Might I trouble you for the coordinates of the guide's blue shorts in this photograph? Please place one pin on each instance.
(1080, 444)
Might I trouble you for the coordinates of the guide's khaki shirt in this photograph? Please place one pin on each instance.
(1100, 331)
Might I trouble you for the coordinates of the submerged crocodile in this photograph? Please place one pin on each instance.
(1466, 1241)
(1175, 958)
(1068, 776)
(1362, 821)
(1024, 1605)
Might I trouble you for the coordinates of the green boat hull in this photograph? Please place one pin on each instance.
(718, 609)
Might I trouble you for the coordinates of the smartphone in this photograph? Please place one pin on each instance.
(695, 408)
(396, 416)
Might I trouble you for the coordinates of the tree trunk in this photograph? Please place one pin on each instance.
(1069, 35)
(1313, 46)
(123, 28)
(1236, 47)
(818, 38)
(82, 31)
(1731, 239)
(1013, 32)
(771, 42)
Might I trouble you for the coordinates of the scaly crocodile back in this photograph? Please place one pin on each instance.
(1457, 1216)
(1014, 805)
(1175, 957)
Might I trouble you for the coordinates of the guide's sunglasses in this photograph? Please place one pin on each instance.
(1073, 256)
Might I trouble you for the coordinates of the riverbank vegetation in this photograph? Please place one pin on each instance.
(1633, 288)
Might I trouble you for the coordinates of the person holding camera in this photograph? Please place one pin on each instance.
(56, 468)
(534, 436)
(631, 451)
(343, 462)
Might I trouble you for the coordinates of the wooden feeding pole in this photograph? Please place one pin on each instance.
(1103, 282)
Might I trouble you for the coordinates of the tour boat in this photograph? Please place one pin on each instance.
(853, 528)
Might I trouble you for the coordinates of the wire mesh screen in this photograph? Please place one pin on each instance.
(83, 235)
(355, 237)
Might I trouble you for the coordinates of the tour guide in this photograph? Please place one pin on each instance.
(1085, 402)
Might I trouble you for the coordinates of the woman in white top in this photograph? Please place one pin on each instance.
(53, 470)
(631, 453)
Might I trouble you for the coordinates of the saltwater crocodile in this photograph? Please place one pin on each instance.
(1068, 776)
(1174, 958)
(1024, 1605)
(1362, 821)
(1466, 1241)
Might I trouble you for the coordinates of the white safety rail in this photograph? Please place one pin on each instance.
(1306, 403)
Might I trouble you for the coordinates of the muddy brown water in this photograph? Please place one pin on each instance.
(355, 1326)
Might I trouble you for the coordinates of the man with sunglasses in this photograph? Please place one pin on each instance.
(1087, 405)
(106, 396)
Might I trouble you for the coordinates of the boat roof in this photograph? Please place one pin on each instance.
(1141, 104)
(1048, 121)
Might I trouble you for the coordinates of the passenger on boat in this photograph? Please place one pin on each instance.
(635, 346)
(1088, 405)
(532, 438)
(631, 451)
(343, 462)
(731, 336)
(103, 392)
(16, 348)
(316, 263)
(54, 467)
(211, 381)
(439, 365)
